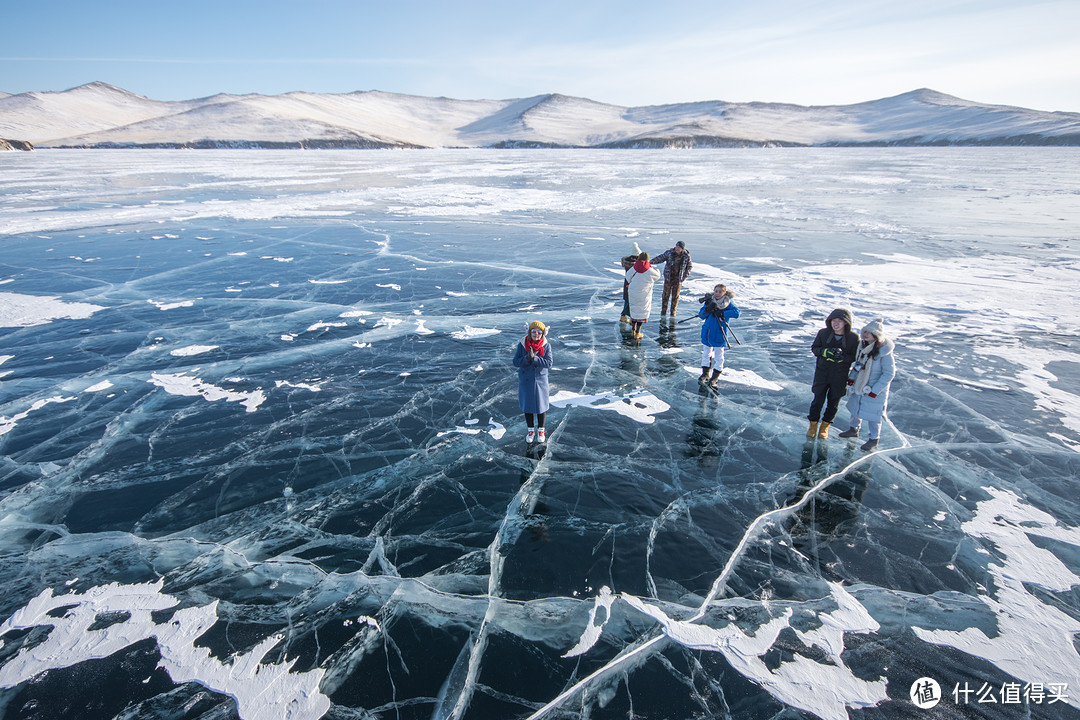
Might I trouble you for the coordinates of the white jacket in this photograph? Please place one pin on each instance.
(640, 292)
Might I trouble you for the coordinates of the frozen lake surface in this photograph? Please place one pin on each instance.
(262, 456)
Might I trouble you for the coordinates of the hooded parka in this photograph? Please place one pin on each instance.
(834, 353)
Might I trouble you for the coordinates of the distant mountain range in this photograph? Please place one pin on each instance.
(99, 115)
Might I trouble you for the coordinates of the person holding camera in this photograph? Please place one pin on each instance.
(716, 309)
(834, 346)
(870, 377)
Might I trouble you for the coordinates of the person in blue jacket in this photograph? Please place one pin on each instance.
(716, 309)
(533, 358)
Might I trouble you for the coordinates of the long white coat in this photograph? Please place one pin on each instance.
(640, 292)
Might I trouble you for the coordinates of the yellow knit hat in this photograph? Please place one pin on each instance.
(537, 325)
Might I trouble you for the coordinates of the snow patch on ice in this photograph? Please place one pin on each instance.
(171, 306)
(299, 386)
(192, 350)
(1034, 640)
(25, 310)
(7, 424)
(825, 689)
(262, 691)
(593, 630)
(639, 405)
(471, 333)
(388, 322)
(494, 429)
(184, 385)
(1036, 380)
(740, 377)
(325, 326)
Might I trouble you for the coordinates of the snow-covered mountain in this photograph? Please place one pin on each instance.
(100, 115)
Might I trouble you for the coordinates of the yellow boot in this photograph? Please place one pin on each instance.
(812, 432)
(823, 430)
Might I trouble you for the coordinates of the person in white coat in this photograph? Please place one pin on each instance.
(641, 277)
(869, 380)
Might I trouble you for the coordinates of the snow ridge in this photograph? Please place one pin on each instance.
(99, 115)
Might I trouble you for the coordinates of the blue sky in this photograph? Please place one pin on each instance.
(1013, 52)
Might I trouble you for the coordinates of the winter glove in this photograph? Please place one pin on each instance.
(532, 357)
(850, 382)
(831, 354)
(873, 395)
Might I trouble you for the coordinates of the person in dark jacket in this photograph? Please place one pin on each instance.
(533, 359)
(675, 271)
(717, 309)
(835, 347)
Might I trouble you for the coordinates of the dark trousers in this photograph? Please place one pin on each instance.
(670, 296)
(827, 394)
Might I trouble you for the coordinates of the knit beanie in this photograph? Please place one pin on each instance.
(876, 328)
(537, 325)
(637, 250)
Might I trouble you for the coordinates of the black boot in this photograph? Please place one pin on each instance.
(704, 374)
(714, 378)
(849, 433)
(869, 445)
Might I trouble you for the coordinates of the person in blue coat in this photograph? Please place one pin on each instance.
(533, 358)
(871, 376)
(716, 310)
